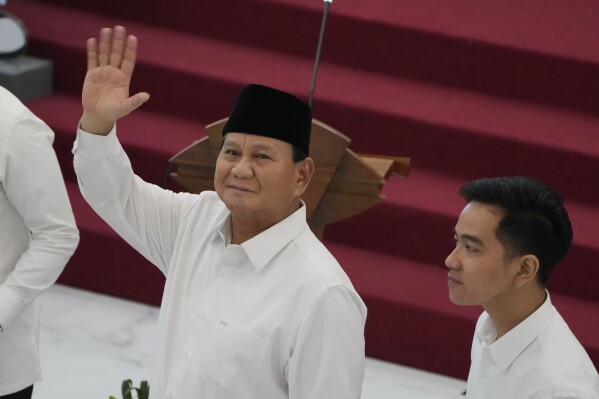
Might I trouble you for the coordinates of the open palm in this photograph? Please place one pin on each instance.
(110, 65)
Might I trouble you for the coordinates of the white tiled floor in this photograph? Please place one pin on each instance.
(89, 343)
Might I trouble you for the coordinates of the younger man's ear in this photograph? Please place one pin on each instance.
(529, 267)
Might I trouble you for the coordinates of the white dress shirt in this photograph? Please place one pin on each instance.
(540, 358)
(275, 317)
(37, 236)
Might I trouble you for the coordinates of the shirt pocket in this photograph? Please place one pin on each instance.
(235, 359)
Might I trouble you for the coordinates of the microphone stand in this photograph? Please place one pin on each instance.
(327, 4)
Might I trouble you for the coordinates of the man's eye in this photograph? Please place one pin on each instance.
(230, 152)
(470, 248)
(262, 156)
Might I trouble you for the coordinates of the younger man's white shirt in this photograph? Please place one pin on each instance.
(538, 359)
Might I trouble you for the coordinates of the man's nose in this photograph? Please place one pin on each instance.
(243, 169)
(451, 261)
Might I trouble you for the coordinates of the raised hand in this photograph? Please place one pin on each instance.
(110, 65)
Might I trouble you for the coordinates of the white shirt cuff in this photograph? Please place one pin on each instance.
(93, 146)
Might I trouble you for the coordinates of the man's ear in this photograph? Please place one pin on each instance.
(528, 267)
(305, 170)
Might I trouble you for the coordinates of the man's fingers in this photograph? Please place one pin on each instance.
(104, 46)
(118, 45)
(134, 102)
(130, 55)
(113, 48)
(92, 53)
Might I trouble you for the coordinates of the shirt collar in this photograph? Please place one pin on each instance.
(263, 247)
(223, 229)
(506, 349)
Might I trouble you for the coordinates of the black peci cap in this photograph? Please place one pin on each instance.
(268, 112)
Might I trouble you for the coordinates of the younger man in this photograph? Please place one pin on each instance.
(510, 235)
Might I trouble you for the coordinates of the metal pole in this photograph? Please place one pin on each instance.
(327, 4)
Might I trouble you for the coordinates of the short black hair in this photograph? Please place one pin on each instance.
(297, 154)
(534, 218)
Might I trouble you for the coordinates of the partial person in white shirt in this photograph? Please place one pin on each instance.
(37, 237)
(254, 305)
(509, 237)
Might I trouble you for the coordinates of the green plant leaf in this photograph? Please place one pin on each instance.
(144, 390)
(126, 388)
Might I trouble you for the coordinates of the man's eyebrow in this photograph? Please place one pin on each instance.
(469, 237)
(260, 147)
(263, 147)
(226, 141)
(472, 238)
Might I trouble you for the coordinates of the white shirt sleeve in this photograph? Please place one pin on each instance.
(328, 359)
(143, 214)
(34, 186)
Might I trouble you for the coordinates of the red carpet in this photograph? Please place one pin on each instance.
(467, 89)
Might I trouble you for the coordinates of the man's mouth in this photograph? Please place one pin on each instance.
(239, 188)
(452, 281)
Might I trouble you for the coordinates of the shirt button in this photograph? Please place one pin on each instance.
(201, 314)
(169, 395)
(185, 355)
(219, 275)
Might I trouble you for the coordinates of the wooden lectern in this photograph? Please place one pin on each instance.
(344, 183)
